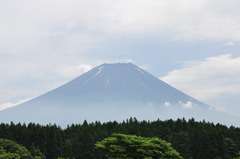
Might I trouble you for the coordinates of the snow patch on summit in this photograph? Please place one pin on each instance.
(99, 71)
(108, 80)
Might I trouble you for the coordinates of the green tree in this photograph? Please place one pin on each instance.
(37, 153)
(12, 150)
(136, 147)
(231, 149)
(182, 143)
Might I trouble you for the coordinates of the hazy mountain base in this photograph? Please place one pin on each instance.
(64, 116)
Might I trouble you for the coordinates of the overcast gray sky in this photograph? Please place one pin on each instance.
(192, 45)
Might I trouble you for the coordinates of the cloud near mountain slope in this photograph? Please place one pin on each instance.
(210, 79)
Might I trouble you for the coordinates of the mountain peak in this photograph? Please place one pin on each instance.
(111, 91)
(117, 65)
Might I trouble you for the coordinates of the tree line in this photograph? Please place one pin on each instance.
(192, 139)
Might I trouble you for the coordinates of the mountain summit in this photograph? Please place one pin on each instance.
(110, 92)
(116, 83)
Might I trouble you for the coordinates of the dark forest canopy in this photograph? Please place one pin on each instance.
(192, 139)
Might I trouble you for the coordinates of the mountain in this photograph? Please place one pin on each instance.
(112, 92)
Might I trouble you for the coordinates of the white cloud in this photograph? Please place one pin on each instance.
(128, 60)
(9, 105)
(29, 22)
(229, 43)
(218, 109)
(167, 104)
(73, 71)
(187, 105)
(207, 79)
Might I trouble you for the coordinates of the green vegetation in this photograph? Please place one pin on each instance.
(12, 150)
(132, 147)
(193, 140)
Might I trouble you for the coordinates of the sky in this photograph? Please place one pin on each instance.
(192, 45)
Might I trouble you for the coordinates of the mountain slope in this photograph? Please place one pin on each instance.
(110, 92)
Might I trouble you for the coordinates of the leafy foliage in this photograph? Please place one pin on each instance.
(12, 150)
(132, 147)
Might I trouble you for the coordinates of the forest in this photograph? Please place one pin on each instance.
(192, 139)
